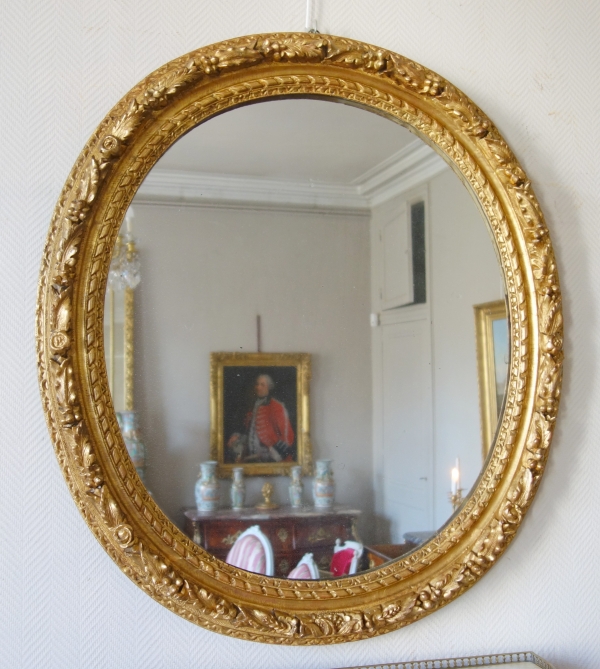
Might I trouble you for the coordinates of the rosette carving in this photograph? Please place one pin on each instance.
(102, 479)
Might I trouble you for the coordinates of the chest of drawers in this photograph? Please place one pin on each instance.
(292, 532)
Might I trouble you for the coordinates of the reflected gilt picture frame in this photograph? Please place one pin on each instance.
(260, 412)
(493, 351)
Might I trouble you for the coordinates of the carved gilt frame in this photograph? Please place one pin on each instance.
(154, 553)
(301, 362)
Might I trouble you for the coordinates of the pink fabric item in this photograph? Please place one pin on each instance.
(341, 562)
(248, 553)
(300, 571)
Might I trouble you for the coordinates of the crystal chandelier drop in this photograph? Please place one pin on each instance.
(124, 269)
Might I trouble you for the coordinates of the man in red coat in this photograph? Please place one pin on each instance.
(269, 436)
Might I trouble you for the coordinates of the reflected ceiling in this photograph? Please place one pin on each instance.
(314, 132)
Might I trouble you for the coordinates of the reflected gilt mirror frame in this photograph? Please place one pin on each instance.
(119, 343)
(490, 401)
(137, 535)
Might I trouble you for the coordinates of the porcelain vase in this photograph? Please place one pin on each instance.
(296, 487)
(323, 485)
(238, 488)
(135, 447)
(207, 487)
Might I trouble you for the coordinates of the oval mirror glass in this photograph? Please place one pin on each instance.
(306, 338)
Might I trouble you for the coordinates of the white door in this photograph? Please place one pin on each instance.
(407, 434)
(393, 253)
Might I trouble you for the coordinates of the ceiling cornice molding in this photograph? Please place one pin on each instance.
(203, 189)
(405, 169)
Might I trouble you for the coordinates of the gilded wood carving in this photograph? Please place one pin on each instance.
(102, 479)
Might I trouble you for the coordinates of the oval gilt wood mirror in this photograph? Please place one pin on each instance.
(367, 285)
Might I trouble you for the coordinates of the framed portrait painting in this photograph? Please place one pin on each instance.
(259, 409)
(493, 350)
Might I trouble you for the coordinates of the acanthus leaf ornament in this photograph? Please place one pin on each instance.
(119, 510)
(90, 469)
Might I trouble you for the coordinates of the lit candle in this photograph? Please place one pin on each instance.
(458, 471)
(129, 220)
(456, 477)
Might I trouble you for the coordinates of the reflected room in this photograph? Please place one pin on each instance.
(306, 338)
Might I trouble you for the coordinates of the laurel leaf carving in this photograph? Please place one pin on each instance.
(290, 49)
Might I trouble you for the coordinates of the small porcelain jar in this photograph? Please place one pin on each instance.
(238, 488)
(135, 447)
(296, 487)
(207, 487)
(323, 485)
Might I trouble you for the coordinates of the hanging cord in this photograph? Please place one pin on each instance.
(311, 22)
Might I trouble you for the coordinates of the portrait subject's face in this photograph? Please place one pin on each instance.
(261, 387)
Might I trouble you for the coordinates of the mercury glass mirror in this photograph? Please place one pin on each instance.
(311, 271)
(305, 225)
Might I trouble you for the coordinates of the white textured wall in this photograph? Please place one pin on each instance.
(532, 66)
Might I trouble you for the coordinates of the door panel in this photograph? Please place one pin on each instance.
(407, 427)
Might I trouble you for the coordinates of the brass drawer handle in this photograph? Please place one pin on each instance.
(319, 535)
(230, 539)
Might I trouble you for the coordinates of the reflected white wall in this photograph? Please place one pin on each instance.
(207, 273)
(464, 272)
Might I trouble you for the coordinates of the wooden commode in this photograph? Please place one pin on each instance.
(292, 532)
